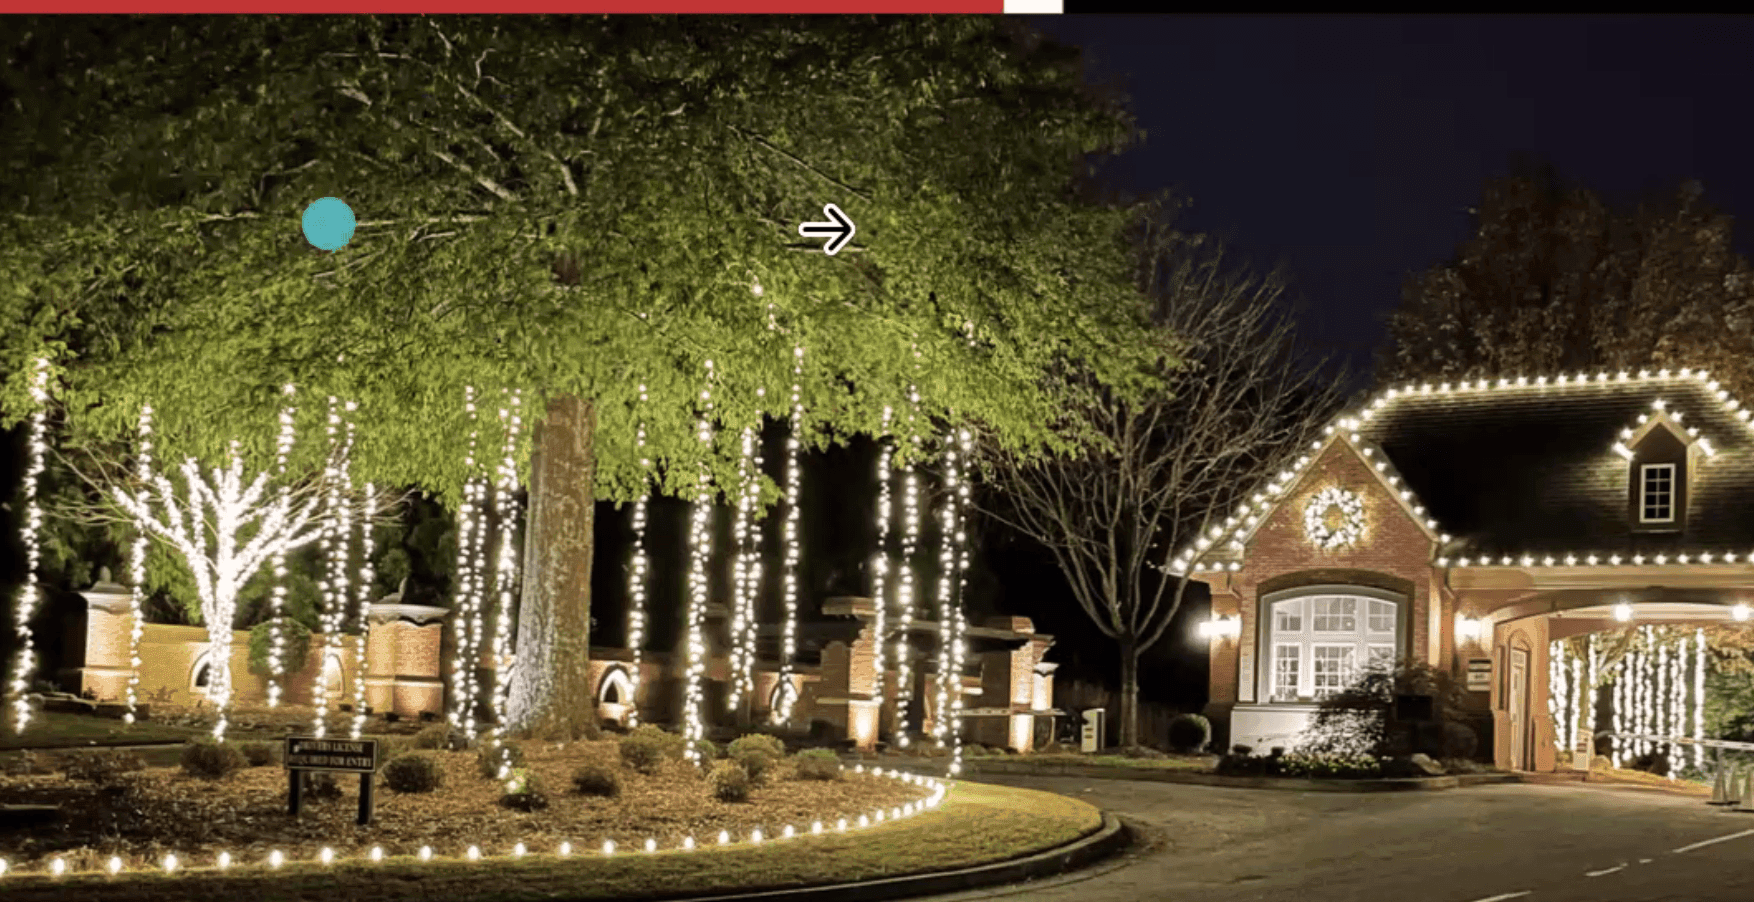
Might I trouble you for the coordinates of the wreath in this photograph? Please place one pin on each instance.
(1334, 518)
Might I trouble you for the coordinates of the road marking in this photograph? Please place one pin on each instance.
(1701, 845)
(1505, 896)
(1604, 873)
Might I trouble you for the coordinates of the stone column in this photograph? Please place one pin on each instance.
(404, 666)
(101, 661)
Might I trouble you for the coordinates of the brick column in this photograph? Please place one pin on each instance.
(100, 659)
(404, 664)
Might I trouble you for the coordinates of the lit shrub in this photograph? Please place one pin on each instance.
(730, 782)
(211, 760)
(414, 772)
(818, 764)
(596, 780)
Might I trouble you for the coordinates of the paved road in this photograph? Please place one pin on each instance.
(1505, 843)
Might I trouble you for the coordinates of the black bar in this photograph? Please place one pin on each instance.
(365, 800)
(295, 779)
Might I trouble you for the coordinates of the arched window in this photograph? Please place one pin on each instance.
(616, 688)
(1315, 642)
(784, 694)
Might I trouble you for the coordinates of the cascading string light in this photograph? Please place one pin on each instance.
(462, 712)
(637, 574)
(337, 544)
(700, 541)
(959, 500)
(1699, 695)
(880, 568)
(904, 590)
(277, 564)
(505, 572)
(25, 663)
(789, 581)
(137, 569)
(362, 600)
(479, 505)
(744, 577)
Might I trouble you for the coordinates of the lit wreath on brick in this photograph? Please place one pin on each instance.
(1351, 526)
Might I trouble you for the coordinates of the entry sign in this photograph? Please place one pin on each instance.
(1479, 674)
(348, 756)
(1583, 750)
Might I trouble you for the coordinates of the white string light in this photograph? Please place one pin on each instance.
(636, 577)
(277, 566)
(746, 576)
(700, 542)
(910, 539)
(137, 569)
(789, 581)
(505, 571)
(467, 601)
(1699, 695)
(363, 596)
(24, 664)
(880, 566)
(337, 547)
(959, 500)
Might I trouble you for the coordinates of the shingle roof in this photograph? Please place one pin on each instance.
(1522, 469)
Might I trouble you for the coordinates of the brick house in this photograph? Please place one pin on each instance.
(1470, 524)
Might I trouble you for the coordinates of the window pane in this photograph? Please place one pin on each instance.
(1333, 667)
(1659, 493)
(1287, 668)
(1335, 615)
(1288, 616)
(1382, 617)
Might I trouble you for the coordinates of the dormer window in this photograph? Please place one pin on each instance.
(1656, 493)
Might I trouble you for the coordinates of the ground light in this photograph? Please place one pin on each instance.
(1623, 612)
(1740, 611)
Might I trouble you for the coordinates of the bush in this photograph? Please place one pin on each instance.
(1355, 721)
(1459, 740)
(968, 751)
(321, 785)
(437, 736)
(648, 746)
(489, 760)
(414, 772)
(1189, 733)
(524, 792)
(772, 745)
(596, 780)
(730, 781)
(818, 764)
(260, 754)
(101, 767)
(706, 750)
(211, 760)
(757, 754)
(295, 639)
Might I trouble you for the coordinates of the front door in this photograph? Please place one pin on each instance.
(1518, 708)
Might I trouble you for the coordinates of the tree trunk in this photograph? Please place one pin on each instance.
(551, 694)
(1129, 713)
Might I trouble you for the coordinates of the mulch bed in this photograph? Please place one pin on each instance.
(142, 816)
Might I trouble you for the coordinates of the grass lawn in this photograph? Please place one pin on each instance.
(1172, 762)
(57, 730)
(976, 824)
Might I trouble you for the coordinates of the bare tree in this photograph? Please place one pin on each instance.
(1148, 477)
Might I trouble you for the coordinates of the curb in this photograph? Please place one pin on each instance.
(1108, 839)
(1293, 784)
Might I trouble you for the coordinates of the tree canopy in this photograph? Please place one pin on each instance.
(578, 205)
(1557, 278)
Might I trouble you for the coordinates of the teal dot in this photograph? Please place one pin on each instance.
(329, 224)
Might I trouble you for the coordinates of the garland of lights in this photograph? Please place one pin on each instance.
(1699, 695)
(1347, 532)
(25, 663)
(880, 566)
(1658, 690)
(789, 624)
(137, 569)
(57, 866)
(362, 612)
(700, 538)
(337, 547)
(276, 595)
(466, 623)
(505, 573)
(959, 505)
(904, 590)
(636, 577)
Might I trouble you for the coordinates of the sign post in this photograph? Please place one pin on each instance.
(347, 756)
(1479, 674)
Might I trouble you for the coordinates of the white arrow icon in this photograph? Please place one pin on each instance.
(841, 229)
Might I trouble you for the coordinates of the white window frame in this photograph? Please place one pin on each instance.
(1362, 639)
(1645, 472)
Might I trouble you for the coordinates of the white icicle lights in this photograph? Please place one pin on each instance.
(277, 594)
(700, 540)
(636, 576)
(24, 664)
(786, 698)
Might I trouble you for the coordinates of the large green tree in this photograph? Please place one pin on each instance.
(1558, 278)
(580, 209)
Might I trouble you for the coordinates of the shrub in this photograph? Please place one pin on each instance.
(211, 760)
(968, 751)
(321, 784)
(818, 764)
(437, 736)
(1355, 720)
(706, 750)
(596, 780)
(260, 754)
(489, 760)
(101, 767)
(1189, 733)
(295, 639)
(649, 746)
(1459, 740)
(414, 772)
(772, 745)
(523, 792)
(730, 782)
(757, 754)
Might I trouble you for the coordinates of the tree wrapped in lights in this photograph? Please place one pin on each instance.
(746, 580)
(277, 594)
(880, 563)
(137, 570)
(467, 603)
(637, 574)
(223, 529)
(700, 538)
(782, 712)
(25, 663)
(504, 569)
(904, 590)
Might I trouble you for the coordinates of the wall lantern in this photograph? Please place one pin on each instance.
(1623, 612)
(1221, 628)
(1740, 611)
(1470, 629)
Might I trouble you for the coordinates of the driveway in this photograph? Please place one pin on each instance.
(1499, 843)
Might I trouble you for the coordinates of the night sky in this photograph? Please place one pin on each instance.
(1347, 149)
